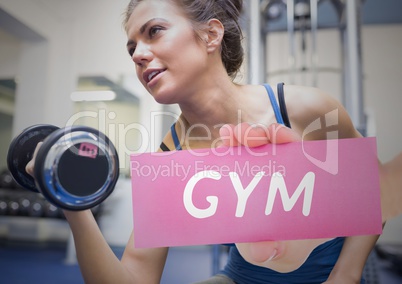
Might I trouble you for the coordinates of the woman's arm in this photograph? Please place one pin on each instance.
(350, 264)
(97, 261)
(391, 188)
(355, 251)
(99, 264)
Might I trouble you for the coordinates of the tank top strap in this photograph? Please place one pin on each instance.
(282, 105)
(274, 103)
(279, 112)
(175, 137)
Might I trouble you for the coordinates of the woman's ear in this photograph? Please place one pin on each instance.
(214, 35)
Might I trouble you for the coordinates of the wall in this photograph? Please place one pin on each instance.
(10, 50)
(42, 67)
(5, 137)
(100, 40)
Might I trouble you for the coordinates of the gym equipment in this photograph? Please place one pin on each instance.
(25, 205)
(13, 208)
(6, 180)
(36, 209)
(76, 167)
(303, 16)
(51, 211)
(3, 207)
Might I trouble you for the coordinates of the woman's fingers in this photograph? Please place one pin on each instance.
(29, 168)
(251, 135)
(254, 135)
(280, 134)
(227, 135)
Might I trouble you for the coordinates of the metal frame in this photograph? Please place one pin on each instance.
(349, 13)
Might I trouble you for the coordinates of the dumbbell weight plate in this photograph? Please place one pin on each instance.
(21, 151)
(76, 168)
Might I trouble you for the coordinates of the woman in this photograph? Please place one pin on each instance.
(188, 52)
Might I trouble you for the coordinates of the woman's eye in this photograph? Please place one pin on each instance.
(131, 51)
(154, 30)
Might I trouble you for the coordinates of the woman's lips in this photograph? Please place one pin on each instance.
(150, 75)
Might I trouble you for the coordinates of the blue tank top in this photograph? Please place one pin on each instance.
(315, 269)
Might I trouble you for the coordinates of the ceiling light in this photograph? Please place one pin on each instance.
(91, 96)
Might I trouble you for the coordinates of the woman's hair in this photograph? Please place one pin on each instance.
(199, 12)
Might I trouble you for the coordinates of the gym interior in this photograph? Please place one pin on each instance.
(56, 54)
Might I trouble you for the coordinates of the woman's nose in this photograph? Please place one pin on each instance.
(142, 54)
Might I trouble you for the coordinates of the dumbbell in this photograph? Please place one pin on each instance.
(76, 167)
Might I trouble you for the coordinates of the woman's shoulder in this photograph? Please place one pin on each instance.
(310, 97)
(303, 104)
(308, 102)
(306, 105)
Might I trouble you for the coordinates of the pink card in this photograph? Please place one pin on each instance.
(302, 190)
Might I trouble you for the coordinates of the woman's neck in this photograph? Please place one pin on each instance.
(212, 105)
(204, 114)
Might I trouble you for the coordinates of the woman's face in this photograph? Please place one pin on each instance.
(163, 45)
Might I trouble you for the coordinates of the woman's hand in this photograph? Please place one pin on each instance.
(257, 135)
(29, 168)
